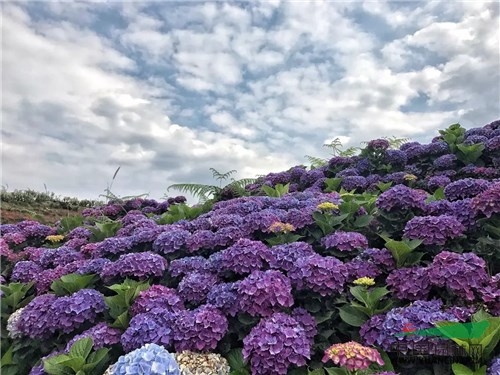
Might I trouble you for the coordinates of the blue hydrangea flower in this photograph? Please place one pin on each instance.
(151, 359)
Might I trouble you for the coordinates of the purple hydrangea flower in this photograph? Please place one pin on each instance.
(465, 188)
(410, 283)
(434, 230)
(487, 202)
(435, 182)
(275, 344)
(300, 218)
(401, 197)
(382, 329)
(79, 232)
(396, 158)
(26, 271)
(444, 162)
(183, 266)
(170, 241)
(324, 275)
(157, 296)
(494, 368)
(460, 273)
(201, 239)
(92, 266)
(310, 177)
(283, 257)
(200, 329)
(101, 334)
(264, 292)
(195, 286)
(307, 321)
(345, 241)
(244, 256)
(59, 257)
(361, 268)
(493, 144)
(225, 297)
(353, 183)
(155, 326)
(113, 246)
(140, 265)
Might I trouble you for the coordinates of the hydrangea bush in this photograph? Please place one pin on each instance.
(268, 284)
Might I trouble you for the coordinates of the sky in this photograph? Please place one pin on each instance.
(167, 90)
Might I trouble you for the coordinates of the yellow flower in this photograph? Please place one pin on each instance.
(278, 226)
(367, 281)
(55, 238)
(325, 206)
(410, 177)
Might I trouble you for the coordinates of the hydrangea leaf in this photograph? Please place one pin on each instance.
(81, 348)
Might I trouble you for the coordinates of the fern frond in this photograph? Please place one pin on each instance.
(242, 183)
(221, 176)
(396, 142)
(351, 151)
(197, 190)
(315, 161)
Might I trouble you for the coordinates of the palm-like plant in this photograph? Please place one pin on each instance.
(336, 147)
(234, 189)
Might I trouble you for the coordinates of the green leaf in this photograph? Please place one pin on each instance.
(387, 366)
(413, 258)
(235, 359)
(363, 221)
(375, 294)
(321, 318)
(360, 293)
(332, 184)
(336, 371)
(246, 319)
(82, 348)
(459, 369)
(75, 363)
(95, 358)
(318, 371)
(7, 358)
(352, 316)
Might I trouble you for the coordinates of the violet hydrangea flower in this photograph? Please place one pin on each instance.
(200, 329)
(283, 257)
(101, 334)
(155, 326)
(171, 240)
(324, 275)
(465, 188)
(183, 266)
(275, 344)
(264, 292)
(410, 283)
(434, 230)
(195, 286)
(345, 241)
(244, 256)
(401, 197)
(140, 265)
(487, 202)
(157, 296)
(225, 297)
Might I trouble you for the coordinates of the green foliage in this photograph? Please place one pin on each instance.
(468, 154)
(71, 283)
(384, 186)
(459, 369)
(15, 296)
(454, 136)
(120, 303)
(236, 362)
(368, 302)
(17, 356)
(335, 147)
(104, 229)
(437, 196)
(80, 360)
(332, 184)
(207, 192)
(183, 212)
(278, 191)
(68, 223)
(402, 251)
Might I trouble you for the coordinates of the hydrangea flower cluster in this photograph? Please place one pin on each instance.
(225, 297)
(191, 363)
(275, 344)
(410, 283)
(171, 240)
(488, 202)
(264, 292)
(401, 197)
(155, 326)
(200, 329)
(353, 356)
(244, 256)
(345, 241)
(150, 359)
(183, 266)
(195, 286)
(101, 334)
(434, 230)
(140, 265)
(494, 368)
(283, 257)
(385, 330)
(13, 324)
(465, 188)
(157, 296)
(460, 273)
(324, 275)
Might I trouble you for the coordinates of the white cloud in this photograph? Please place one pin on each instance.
(258, 85)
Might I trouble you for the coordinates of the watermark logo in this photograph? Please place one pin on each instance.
(463, 331)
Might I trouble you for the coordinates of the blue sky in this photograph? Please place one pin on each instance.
(167, 90)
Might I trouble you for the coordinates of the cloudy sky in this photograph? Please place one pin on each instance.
(167, 90)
